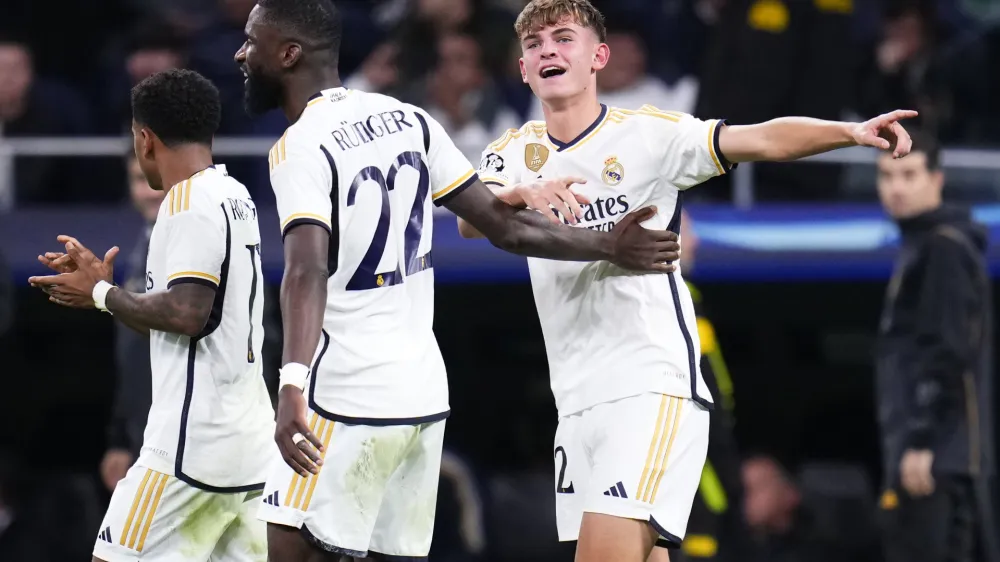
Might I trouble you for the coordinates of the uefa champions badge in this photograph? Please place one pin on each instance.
(613, 172)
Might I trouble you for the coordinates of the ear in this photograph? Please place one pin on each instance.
(146, 145)
(524, 72)
(937, 177)
(602, 54)
(290, 55)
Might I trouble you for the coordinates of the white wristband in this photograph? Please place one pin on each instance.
(294, 374)
(100, 295)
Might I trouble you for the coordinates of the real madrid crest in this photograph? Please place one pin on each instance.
(535, 156)
(613, 172)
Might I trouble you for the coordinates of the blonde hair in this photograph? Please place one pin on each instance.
(542, 13)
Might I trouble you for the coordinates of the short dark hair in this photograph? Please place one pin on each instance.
(926, 144)
(316, 23)
(179, 106)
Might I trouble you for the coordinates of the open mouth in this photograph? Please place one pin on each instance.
(552, 71)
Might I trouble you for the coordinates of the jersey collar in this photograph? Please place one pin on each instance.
(561, 146)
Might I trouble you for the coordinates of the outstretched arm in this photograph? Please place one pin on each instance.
(791, 138)
(527, 232)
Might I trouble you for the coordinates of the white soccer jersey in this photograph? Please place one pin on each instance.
(610, 333)
(369, 167)
(211, 423)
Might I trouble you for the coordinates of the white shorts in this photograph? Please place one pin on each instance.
(639, 458)
(375, 493)
(155, 516)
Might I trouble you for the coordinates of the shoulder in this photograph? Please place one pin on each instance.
(512, 138)
(300, 140)
(649, 117)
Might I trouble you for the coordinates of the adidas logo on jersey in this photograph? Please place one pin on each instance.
(105, 535)
(272, 500)
(617, 491)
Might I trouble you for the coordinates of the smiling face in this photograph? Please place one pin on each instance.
(562, 49)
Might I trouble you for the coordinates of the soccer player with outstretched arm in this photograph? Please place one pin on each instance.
(623, 348)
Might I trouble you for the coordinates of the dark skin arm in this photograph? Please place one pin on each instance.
(183, 309)
(528, 232)
(303, 305)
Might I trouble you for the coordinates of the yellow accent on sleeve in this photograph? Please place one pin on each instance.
(321, 218)
(454, 184)
(198, 274)
(711, 147)
(277, 155)
(494, 179)
(187, 194)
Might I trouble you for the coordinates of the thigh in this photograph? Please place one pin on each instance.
(154, 516)
(651, 450)
(405, 523)
(245, 540)
(572, 476)
(336, 509)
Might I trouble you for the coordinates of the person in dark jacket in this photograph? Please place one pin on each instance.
(133, 388)
(934, 372)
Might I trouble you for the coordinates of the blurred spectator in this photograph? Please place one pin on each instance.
(773, 58)
(934, 367)
(459, 524)
(379, 72)
(33, 107)
(626, 83)
(922, 62)
(133, 392)
(458, 93)
(148, 49)
(429, 20)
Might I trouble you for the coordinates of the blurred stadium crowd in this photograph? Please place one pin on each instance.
(67, 67)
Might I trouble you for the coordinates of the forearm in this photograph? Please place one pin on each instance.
(530, 234)
(135, 327)
(507, 194)
(303, 305)
(166, 311)
(783, 139)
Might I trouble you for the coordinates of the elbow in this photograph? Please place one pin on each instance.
(509, 240)
(301, 276)
(465, 230)
(192, 326)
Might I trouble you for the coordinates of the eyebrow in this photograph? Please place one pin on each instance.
(554, 32)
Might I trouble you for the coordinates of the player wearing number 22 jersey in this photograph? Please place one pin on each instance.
(378, 392)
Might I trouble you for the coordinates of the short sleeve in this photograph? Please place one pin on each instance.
(196, 246)
(302, 179)
(450, 170)
(691, 148)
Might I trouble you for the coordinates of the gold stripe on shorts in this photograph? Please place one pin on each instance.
(315, 477)
(297, 479)
(658, 447)
(135, 505)
(152, 511)
(670, 445)
(147, 496)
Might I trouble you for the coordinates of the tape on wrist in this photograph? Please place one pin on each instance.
(294, 374)
(100, 295)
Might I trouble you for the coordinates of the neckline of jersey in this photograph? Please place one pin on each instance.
(561, 146)
(322, 93)
(201, 172)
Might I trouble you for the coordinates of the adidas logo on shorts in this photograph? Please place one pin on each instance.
(272, 500)
(617, 491)
(105, 535)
